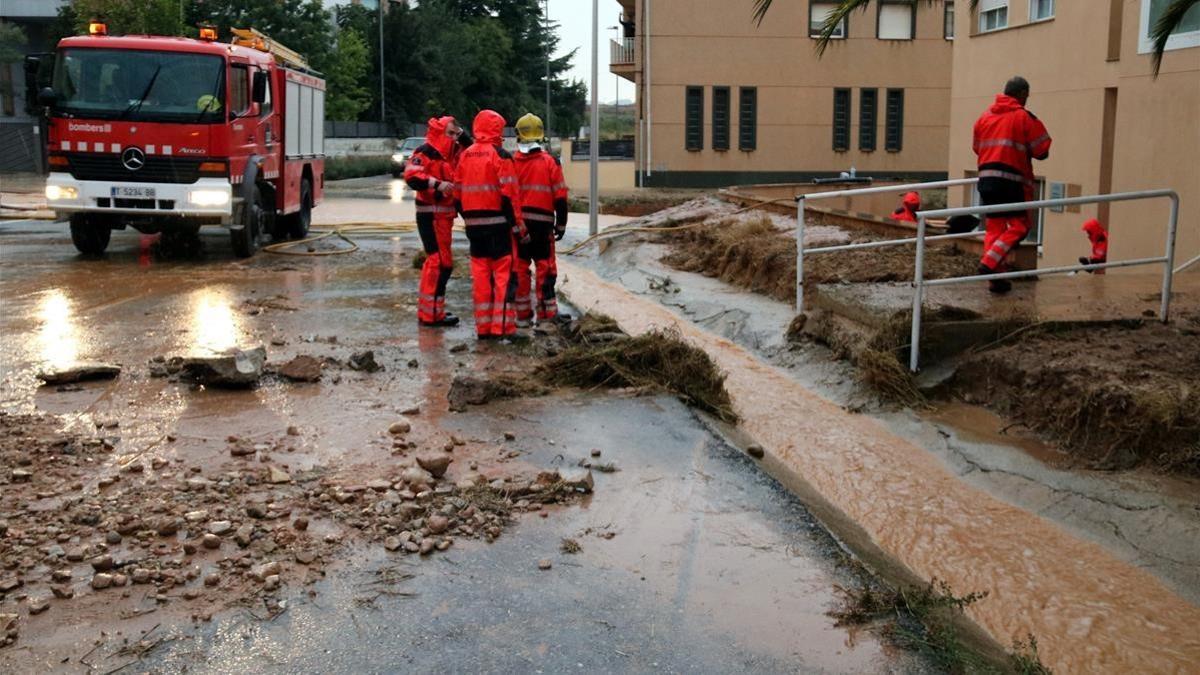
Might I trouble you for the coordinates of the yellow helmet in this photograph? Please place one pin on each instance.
(530, 129)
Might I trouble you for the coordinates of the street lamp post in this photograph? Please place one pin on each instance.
(616, 78)
(594, 141)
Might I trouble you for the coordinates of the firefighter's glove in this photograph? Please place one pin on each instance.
(522, 235)
(445, 187)
(559, 233)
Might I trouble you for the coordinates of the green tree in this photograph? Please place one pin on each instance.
(132, 17)
(12, 38)
(301, 25)
(1171, 20)
(346, 95)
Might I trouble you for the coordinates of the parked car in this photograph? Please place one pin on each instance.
(403, 152)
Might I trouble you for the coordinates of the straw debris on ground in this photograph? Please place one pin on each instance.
(659, 359)
(754, 253)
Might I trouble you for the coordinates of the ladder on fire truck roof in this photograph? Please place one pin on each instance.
(250, 37)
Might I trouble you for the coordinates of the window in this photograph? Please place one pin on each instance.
(841, 120)
(265, 108)
(897, 20)
(720, 118)
(693, 134)
(747, 118)
(817, 12)
(993, 15)
(868, 105)
(948, 21)
(1040, 10)
(894, 132)
(1187, 35)
(239, 90)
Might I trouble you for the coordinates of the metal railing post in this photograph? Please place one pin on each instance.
(1164, 312)
(800, 254)
(914, 349)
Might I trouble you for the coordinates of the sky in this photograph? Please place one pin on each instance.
(575, 30)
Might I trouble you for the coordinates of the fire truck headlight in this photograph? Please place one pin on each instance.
(56, 193)
(208, 197)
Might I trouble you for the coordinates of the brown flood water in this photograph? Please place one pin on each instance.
(1089, 611)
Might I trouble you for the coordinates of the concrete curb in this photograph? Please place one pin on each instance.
(1089, 611)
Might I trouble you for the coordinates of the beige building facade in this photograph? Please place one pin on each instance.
(724, 101)
(1115, 127)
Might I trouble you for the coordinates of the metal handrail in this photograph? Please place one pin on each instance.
(1187, 264)
(802, 200)
(919, 283)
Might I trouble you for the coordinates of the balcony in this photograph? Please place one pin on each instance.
(622, 58)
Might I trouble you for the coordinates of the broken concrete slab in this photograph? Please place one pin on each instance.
(80, 372)
(303, 368)
(235, 368)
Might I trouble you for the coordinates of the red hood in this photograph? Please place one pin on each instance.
(1005, 103)
(1094, 230)
(488, 127)
(912, 200)
(436, 135)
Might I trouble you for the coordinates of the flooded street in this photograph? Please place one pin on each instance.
(689, 557)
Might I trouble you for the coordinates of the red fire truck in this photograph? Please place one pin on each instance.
(167, 134)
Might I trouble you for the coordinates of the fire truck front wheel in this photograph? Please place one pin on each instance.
(251, 218)
(89, 233)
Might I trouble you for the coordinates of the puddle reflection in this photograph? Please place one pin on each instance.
(59, 335)
(215, 325)
(396, 190)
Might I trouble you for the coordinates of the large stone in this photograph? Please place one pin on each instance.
(436, 465)
(302, 369)
(278, 475)
(578, 479)
(101, 581)
(399, 427)
(220, 527)
(364, 361)
(78, 372)
(233, 368)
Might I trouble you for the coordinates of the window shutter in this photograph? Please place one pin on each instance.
(841, 120)
(989, 5)
(868, 104)
(720, 118)
(894, 140)
(694, 118)
(747, 118)
(895, 21)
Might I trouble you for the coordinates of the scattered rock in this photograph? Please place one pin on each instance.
(269, 569)
(400, 427)
(364, 361)
(438, 524)
(63, 592)
(303, 368)
(278, 475)
(10, 584)
(393, 543)
(234, 368)
(427, 545)
(544, 564)
(293, 431)
(459, 347)
(755, 450)
(37, 605)
(305, 557)
(20, 475)
(379, 485)
(79, 372)
(272, 582)
(436, 465)
(102, 563)
(141, 575)
(61, 575)
(510, 436)
(243, 535)
(411, 410)
(9, 629)
(301, 524)
(578, 479)
(595, 452)
(220, 527)
(211, 541)
(101, 581)
(212, 579)
(119, 580)
(416, 475)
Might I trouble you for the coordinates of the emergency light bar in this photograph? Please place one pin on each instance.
(97, 28)
(208, 33)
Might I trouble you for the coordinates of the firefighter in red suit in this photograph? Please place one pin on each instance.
(488, 196)
(907, 211)
(1098, 236)
(430, 173)
(544, 208)
(1007, 139)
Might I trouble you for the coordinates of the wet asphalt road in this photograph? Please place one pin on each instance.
(711, 567)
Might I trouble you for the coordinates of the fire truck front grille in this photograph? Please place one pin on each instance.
(156, 170)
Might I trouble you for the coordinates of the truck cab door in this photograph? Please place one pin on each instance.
(243, 123)
(267, 133)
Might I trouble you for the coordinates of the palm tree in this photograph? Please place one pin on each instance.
(1170, 20)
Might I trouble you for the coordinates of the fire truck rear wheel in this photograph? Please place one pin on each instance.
(298, 224)
(245, 238)
(89, 234)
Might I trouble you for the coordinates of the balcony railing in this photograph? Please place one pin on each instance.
(621, 52)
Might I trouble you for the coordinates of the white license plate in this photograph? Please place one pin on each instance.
(133, 192)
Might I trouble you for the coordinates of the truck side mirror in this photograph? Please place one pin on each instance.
(259, 89)
(46, 97)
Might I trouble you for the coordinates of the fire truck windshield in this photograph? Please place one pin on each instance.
(149, 86)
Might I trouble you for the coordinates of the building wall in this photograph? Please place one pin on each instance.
(1075, 70)
(715, 43)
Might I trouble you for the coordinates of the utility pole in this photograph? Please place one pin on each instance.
(382, 100)
(594, 140)
(546, 16)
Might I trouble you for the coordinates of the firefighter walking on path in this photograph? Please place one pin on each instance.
(1007, 139)
(430, 173)
(485, 186)
(544, 209)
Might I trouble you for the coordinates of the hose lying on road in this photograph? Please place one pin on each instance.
(339, 231)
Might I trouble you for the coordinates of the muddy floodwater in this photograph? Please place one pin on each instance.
(690, 558)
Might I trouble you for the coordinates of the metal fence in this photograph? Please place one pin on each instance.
(620, 52)
(358, 130)
(608, 149)
(1167, 260)
(802, 201)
